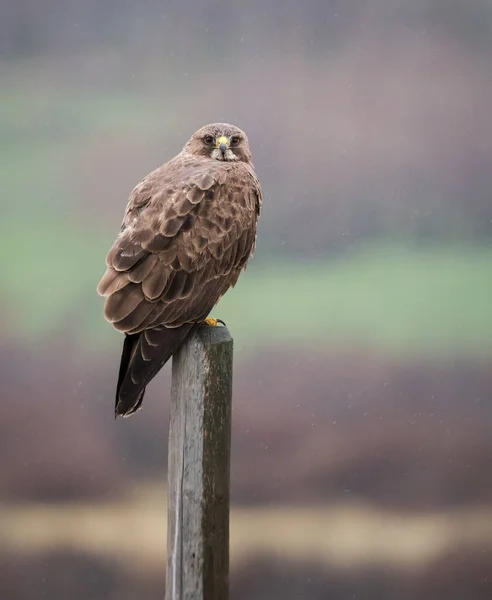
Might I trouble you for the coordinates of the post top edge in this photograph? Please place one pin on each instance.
(213, 335)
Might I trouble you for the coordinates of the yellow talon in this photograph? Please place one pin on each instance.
(212, 322)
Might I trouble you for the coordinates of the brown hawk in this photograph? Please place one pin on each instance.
(188, 231)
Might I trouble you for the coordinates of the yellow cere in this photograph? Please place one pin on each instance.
(223, 140)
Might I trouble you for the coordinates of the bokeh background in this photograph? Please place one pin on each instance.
(362, 422)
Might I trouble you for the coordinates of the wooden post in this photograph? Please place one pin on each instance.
(199, 468)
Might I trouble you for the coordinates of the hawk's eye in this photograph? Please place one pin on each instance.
(235, 139)
(208, 139)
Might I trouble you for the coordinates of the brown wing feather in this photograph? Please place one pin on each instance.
(188, 231)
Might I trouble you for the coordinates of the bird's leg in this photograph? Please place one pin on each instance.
(213, 322)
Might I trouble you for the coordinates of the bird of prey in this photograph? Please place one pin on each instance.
(188, 231)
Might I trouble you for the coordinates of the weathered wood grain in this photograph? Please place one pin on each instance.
(199, 468)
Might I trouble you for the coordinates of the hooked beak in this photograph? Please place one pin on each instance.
(223, 144)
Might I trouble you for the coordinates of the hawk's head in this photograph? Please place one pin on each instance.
(220, 141)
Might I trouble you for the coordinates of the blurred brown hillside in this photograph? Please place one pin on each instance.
(397, 433)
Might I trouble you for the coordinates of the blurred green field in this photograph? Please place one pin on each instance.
(396, 297)
(43, 124)
(403, 299)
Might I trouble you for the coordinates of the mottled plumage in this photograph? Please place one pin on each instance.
(188, 231)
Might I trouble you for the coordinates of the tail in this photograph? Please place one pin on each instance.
(144, 354)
